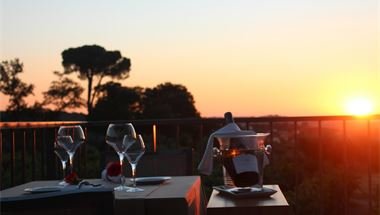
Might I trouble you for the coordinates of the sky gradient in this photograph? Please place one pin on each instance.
(253, 58)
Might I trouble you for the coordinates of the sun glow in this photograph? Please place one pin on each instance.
(359, 106)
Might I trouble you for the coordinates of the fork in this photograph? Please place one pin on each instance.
(87, 183)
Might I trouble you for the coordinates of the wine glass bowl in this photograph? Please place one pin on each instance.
(118, 136)
(70, 138)
(134, 152)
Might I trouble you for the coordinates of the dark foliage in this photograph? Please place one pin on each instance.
(168, 101)
(64, 93)
(12, 86)
(117, 102)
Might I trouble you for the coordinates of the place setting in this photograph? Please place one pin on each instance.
(130, 146)
(68, 140)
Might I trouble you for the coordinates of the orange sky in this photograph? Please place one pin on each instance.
(248, 57)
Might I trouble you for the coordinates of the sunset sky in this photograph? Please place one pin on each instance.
(250, 57)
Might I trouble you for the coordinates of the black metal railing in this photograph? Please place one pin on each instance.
(324, 164)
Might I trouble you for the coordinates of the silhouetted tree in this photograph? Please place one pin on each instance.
(12, 86)
(64, 93)
(117, 102)
(93, 61)
(168, 101)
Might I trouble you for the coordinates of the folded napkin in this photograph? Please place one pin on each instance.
(228, 131)
(106, 177)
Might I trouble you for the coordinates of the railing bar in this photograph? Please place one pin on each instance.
(200, 147)
(177, 136)
(57, 161)
(271, 132)
(296, 166)
(320, 165)
(345, 144)
(78, 154)
(49, 153)
(34, 155)
(42, 150)
(23, 156)
(271, 140)
(369, 166)
(377, 141)
(13, 161)
(18, 125)
(377, 197)
(85, 151)
(1, 158)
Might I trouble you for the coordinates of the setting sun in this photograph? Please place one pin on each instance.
(359, 106)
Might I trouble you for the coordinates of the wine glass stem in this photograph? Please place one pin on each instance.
(63, 169)
(122, 180)
(71, 156)
(133, 167)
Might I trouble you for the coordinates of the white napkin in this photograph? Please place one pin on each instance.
(231, 129)
(114, 179)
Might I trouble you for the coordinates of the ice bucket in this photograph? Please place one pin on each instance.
(243, 157)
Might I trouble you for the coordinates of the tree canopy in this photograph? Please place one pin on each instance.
(95, 62)
(12, 86)
(168, 100)
(117, 102)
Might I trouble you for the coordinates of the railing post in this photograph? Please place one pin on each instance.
(345, 161)
(1, 158)
(49, 146)
(177, 136)
(271, 138)
(320, 166)
(34, 155)
(84, 160)
(23, 154)
(296, 165)
(43, 151)
(13, 160)
(199, 145)
(154, 128)
(369, 166)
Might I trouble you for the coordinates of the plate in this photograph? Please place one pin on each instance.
(44, 189)
(245, 193)
(242, 133)
(152, 180)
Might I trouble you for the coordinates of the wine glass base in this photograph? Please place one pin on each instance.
(134, 189)
(121, 188)
(63, 183)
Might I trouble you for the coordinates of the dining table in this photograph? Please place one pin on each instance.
(182, 195)
(249, 203)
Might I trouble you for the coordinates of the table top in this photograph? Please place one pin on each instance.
(221, 204)
(181, 193)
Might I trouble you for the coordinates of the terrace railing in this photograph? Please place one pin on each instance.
(324, 164)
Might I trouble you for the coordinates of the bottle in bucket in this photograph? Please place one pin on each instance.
(243, 156)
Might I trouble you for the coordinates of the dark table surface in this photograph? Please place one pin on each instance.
(179, 195)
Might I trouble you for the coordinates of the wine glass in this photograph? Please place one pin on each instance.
(70, 138)
(118, 136)
(63, 157)
(134, 152)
